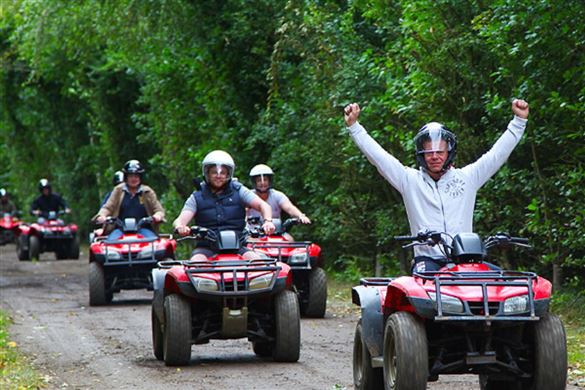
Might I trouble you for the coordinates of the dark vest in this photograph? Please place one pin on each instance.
(220, 212)
(132, 207)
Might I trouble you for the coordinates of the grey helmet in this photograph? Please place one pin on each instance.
(434, 132)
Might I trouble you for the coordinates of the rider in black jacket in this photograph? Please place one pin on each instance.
(47, 201)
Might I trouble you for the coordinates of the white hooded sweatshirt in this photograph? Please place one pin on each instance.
(445, 205)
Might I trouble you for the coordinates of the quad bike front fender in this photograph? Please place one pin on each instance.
(158, 278)
(368, 298)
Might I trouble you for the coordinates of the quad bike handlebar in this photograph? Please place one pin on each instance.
(257, 231)
(432, 238)
(46, 214)
(504, 239)
(198, 233)
(121, 224)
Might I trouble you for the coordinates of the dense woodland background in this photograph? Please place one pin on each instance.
(87, 85)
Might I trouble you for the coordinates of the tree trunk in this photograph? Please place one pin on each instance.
(377, 266)
(557, 281)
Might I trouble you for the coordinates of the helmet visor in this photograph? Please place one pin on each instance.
(218, 170)
(435, 139)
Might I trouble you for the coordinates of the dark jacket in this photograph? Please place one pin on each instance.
(52, 202)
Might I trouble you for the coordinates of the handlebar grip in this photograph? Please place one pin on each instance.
(519, 240)
(405, 238)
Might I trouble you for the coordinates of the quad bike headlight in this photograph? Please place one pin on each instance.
(146, 253)
(516, 305)
(202, 284)
(448, 303)
(113, 255)
(298, 258)
(260, 282)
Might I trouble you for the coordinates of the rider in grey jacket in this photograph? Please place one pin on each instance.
(438, 196)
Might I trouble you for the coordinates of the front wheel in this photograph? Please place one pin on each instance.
(177, 331)
(405, 353)
(97, 285)
(365, 377)
(317, 299)
(287, 346)
(34, 247)
(22, 247)
(550, 350)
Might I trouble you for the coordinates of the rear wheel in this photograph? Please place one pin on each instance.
(97, 285)
(34, 247)
(405, 353)
(365, 377)
(177, 331)
(485, 383)
(73, 252)
(287, 346)
(62, 253)
(317, 299)
(263, 349)
(22, 247)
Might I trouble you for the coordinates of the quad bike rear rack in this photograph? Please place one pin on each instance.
(285, 245)
(233, 288)
(484, 309)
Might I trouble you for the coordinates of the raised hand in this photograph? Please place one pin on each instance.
(520, 108)
(351, 113)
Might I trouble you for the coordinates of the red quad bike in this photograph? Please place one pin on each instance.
(125, 263)
(303, 257)
(225, 297)
(9, 223)
(466, 318)
(48, 234)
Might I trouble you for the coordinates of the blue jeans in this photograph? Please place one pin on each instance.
(117, 233)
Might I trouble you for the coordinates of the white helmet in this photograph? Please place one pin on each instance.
(261, 170)
(220, 159)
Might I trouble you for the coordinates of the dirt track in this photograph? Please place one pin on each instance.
(82, 347)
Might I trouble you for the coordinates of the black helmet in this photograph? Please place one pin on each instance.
(434, 132)
(44, 183)
(118, 178)
(133, 166)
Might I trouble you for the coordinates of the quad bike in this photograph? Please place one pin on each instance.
(466, 318)
(9, 223)
(303, 257)
(125, 263)
(48, 234)
(224, 297)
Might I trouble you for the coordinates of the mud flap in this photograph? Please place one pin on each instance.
(368, 298)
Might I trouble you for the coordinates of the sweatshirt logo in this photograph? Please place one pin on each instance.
(455, 187)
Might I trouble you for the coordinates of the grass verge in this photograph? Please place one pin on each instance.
(570, 306)
(16, 372)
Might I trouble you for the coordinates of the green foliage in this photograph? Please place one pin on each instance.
(88, 85)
